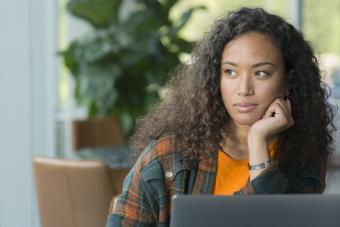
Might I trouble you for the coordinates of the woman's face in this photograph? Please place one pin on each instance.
(252, 76)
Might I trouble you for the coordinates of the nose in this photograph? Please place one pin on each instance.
(246, 87)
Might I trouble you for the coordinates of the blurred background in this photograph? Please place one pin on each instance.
(75, 76)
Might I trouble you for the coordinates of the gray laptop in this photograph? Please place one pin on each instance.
(312, 210)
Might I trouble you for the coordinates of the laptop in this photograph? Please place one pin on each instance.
(312, 210)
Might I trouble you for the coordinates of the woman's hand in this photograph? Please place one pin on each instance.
(276, 119)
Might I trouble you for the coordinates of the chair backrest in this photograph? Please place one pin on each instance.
(72, 193)
(96, 132)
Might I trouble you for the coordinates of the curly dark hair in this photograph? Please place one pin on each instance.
(193, 112)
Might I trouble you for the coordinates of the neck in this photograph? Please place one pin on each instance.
(240, 134)
(237, 145)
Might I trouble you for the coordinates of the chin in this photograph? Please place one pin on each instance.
(246, 120)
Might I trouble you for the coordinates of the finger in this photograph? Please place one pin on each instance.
(286, 100)
(289, 104)
(273, 110)
(281, 117)
(270, 111)
(288, 108)
(283, 105)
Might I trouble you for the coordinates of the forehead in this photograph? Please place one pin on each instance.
(250, 47)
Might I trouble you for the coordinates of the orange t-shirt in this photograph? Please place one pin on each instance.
(232, 174)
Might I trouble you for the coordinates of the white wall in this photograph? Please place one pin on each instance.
(27, 102)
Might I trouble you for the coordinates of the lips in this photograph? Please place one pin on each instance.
(245, 107)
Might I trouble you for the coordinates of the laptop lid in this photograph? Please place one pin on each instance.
(313, 210)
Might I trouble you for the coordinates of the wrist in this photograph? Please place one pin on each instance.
(258, 151)
(258, 169)
(255, 136)
(261, 166)
(257, 144)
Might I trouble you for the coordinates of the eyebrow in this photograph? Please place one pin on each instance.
(254, 66)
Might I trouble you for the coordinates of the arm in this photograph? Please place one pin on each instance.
(270, 180)
(134, 206)
(296, 180)
(276, 119)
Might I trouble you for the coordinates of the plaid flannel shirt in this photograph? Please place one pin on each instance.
(159, 174)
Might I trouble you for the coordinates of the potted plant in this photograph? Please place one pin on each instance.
(120, 67)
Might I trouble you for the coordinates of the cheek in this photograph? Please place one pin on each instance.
(227, 99)
(226, 93)
(270, 93)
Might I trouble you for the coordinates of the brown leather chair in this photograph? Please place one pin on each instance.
(96, 132)
(72, 193)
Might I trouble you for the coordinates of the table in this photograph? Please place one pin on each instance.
(119, 156)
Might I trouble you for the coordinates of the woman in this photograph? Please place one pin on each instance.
(247, 116)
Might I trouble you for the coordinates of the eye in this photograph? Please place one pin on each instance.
(262, 74)
(230, 73)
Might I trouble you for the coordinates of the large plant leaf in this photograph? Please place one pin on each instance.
(182, 44)
(70, 59)
(167, 5)
(99, 13)
(97, 84)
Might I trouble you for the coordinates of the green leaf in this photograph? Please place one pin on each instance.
(182, 44)
(70, 59)
(168, 4)
(96, 87)
(99, 13)
(92, 109)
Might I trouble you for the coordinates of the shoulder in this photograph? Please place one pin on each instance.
(157, 149)
(147, 189)
(144, 194)
(159, 159)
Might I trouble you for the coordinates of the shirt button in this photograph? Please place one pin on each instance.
(169, 174)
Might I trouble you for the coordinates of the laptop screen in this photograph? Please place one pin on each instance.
(313, 210)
